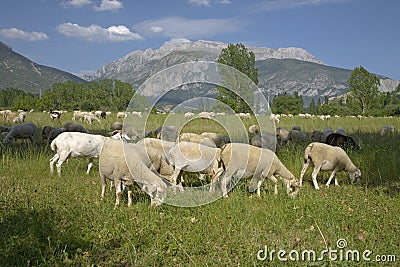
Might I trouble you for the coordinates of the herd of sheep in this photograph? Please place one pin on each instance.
(155, 162)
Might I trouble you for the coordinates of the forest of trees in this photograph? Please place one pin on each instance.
(109, 95)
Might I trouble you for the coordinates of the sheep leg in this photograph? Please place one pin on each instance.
(103, 185)
(225, 180)
(52, 161)
(90, 164)
(331, 177)
(118, 192)
(275, 181)
(314, 176)
(130, 194)
(175, 175)
(303, 172)
(62, 158)
(215, 178)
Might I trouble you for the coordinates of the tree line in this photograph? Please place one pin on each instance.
(108, 95)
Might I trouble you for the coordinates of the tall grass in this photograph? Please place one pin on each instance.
(51, 221)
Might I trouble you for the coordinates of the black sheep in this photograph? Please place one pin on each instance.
(344, 141)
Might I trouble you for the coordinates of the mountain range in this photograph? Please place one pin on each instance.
(19, 72)
(280, 70)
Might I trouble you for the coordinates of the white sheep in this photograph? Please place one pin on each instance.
(121, 115)
(21, 131)
(196, 138)
(154, 159)
(206, 115)
(20, 118)
(325, 158)
(119, 162)
(247, 161)
(219, 139)
(194, 157)
(90, 118)
(73, 145)
(161, 145)
(189, 115)
(137, 114)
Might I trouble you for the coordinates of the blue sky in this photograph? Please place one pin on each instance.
(80, 36)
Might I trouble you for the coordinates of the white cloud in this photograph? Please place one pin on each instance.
(14, 33)
(224, 2)
(76, 3)
(200, 2)
(208, 3)
(156, 29)
(269, 5)
(112, 5)
(97, 33)
(178, 27)
(177, 41)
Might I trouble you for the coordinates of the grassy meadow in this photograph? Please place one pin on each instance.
(51, 221)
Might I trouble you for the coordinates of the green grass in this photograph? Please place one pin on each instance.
(51, 221)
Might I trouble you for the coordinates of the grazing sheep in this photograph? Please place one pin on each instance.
(219, 139)
(54, 133)
(193, 157)
(21, 131)
(254, 129)
(196, 138)
(55, 114)
(9, 116)
(389, 129)
(46, 130)
(90, 118)
(121, 115)
(318, 136)
(206, 115)
(264, 140)
(246, 161)
(297, 136)
(4, 131)
(344, 141)
(282, 134)
(20, 118)
(116, 126)
(73, 145)
(155, 160)
(78, 115)
(161, 145)
(167, 133)
(189, 115)
(120, 163)
(325, 158)
(137, 114)
(74, 127)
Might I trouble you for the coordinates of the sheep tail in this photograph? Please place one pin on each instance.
(53, 145)
(308, 156)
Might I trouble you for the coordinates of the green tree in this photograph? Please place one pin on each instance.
(285, 103)
(238, 57)
(363, 91)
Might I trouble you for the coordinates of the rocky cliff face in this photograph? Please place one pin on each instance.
(135, 66)
(280, 70)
